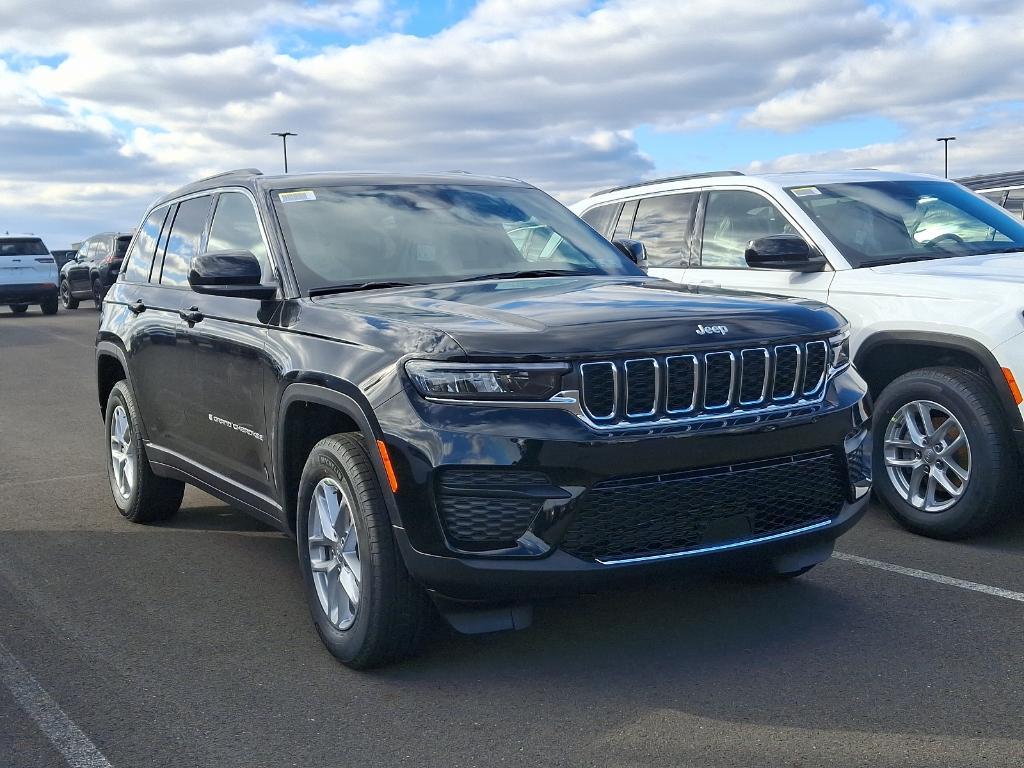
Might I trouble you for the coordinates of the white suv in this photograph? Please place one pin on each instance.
(930, 276)
(28, 274)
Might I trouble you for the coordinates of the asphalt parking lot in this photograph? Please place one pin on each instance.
(189, 644)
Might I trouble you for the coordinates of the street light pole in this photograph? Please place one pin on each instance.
(284, 144)
(945, 149)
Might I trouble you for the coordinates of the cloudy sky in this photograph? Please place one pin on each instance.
(108, 103)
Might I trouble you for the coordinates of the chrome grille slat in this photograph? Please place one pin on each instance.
(710, 385)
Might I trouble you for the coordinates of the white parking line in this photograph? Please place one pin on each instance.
(928, 576)
(67, 737)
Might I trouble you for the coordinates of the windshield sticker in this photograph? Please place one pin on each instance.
(296, 197)
(806, 191)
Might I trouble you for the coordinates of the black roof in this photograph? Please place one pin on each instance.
(251, 177)
(993, 180)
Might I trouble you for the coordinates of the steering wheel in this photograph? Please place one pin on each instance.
(944, 236)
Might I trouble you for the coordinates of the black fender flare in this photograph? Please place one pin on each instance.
(352, 404)
(106, 348)
(961, 344)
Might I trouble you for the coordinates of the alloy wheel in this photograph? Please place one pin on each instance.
(927, 456)
(334, 548)
(122, 455)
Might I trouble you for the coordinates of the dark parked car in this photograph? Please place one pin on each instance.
(1003, 189)
(94, 269)
(372, 364)
(62, 257)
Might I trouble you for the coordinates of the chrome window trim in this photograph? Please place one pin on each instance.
(764, 384)
(696, 382)
(657, 387)
(732, 380)
(615, 390)
(797, 374)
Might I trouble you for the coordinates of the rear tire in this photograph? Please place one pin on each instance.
(97, 293)
(19, 309)
(388, 618)
(49, 307)
(140, 495)
(69, 301)
(982, 470)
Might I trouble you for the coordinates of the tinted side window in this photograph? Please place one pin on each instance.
(732, 219)
(236, 228)
(183, 241)
(140, 259)
(663, 225)
(101, 249)
(1015, 202)
(625, 224)
(601, 217)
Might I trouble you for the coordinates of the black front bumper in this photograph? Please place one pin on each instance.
(558, 465)
(28, 293)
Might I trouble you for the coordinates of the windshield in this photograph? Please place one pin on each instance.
(23, 246)
(883, 222)
(429, 233)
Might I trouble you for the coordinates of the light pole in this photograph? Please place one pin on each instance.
(945, 151)
(284, 144)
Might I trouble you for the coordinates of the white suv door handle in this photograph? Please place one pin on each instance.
(710, 283)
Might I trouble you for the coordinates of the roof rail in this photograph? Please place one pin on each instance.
(235, 172)
(684, 177)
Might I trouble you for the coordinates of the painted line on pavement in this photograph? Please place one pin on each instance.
(76, 748)
(928, 576)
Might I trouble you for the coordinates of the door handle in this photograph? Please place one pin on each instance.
(192, 315)
(137, 307)
(710, 284)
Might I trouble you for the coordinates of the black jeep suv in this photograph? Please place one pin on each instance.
(444, 417)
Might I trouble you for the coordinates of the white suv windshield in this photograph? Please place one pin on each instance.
(429, 233)
(884, 222)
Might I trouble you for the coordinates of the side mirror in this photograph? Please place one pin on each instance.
(633, 250)
(788, 252)
(228, 273)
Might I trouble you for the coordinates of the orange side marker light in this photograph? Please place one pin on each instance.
(1014, 389)
(392, 478)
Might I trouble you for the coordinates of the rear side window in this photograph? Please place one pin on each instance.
(236, 228)
(140, 260)
(1015, 203)
(625, 224)
(663, 224)
(601, 217)
(100, 249)
(183, 241)
(23, 246)
(121, 246)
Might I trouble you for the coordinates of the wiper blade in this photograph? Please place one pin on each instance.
(526, 273)
(349, 287)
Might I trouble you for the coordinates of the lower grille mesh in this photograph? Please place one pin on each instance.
(486, 521)
(664, 514)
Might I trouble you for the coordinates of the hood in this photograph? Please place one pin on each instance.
(591, 315)
(995, 267)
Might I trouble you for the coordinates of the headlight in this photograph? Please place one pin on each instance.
(483, 381)
(840, 346)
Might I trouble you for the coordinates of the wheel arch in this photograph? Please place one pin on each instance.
(886, 355)
(111, 367)
(310, 412)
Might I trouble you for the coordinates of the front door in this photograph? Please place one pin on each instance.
(225, 417)
(732, 218)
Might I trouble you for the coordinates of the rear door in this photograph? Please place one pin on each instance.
(25, 261)
(728, 220)
(78, 272)
(160, 357)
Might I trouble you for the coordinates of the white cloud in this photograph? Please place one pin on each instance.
(548, 90)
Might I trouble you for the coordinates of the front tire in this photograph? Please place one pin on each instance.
(366, 607)
(140, 495)
(946, 462)
(69, 301)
